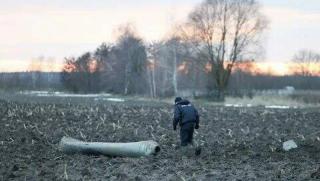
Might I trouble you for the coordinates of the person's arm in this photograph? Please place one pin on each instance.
(197, 119)
(176, 117)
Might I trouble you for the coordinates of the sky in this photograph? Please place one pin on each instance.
(64, 28)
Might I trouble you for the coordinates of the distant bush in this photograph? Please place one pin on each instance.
(309, 97)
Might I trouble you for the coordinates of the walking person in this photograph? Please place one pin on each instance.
(186, 115)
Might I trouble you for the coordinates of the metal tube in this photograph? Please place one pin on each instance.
(134, 149)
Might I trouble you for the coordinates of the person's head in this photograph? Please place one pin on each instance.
(177, 99)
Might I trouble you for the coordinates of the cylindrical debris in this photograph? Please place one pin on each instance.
(133, 149)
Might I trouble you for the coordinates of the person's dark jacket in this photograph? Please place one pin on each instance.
(185, 112)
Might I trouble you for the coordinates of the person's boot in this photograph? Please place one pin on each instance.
(197, 148)
(197, 151)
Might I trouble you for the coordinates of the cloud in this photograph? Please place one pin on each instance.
(51, 31)
(285, 16)
(33, 29)
(289, 31)
(50, 25)
(13, 65)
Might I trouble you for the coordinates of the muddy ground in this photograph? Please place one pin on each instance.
(237, 143)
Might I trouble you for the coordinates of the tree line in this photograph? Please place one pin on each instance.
(217, 34)
(241, 83)
(200, 57)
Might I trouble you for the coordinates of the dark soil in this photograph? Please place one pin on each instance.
(237, 143)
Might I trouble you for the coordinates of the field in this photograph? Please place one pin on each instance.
(238, 143)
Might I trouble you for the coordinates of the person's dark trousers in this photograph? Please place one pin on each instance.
(186, 133)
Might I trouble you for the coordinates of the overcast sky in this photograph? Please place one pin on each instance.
(63, 28)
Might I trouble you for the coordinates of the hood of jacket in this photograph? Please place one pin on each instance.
(183, 102)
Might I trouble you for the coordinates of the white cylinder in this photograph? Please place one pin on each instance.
(133, 149)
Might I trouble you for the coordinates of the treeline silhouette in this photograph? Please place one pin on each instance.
(199, 58)
(215, 36)
(119, 68)
(31, 81)
(162, 69)
(241, 83)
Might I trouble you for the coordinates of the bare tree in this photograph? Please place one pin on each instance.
(151, 71)
(167, 56)
(132, 56)
(224, 32)
(173, 47)
(307, 63)
(35, 67)
(82, 74)
(103, 54)
(159, 68)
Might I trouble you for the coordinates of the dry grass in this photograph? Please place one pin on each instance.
(297, 99)
(265, 101)
(309, 97)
